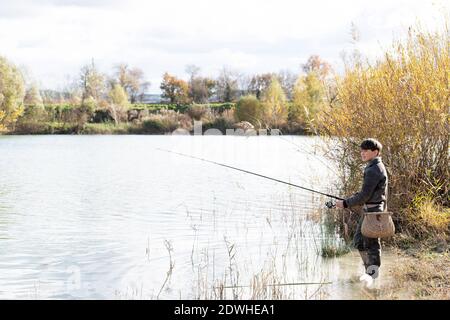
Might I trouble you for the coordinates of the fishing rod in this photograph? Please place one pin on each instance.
(328, 204)
(278, 285)
(280, 136)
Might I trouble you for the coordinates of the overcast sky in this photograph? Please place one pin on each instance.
(52, 39)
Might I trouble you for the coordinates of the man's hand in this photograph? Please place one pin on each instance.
(340, 204)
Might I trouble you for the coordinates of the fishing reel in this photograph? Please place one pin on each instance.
(330, 204)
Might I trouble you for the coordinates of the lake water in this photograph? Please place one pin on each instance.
(113, 217)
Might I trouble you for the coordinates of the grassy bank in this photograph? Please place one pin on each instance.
(426, 274)
(420, 274)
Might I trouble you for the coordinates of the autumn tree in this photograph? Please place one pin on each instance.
(92, 83)
(275, 104)
(34, 116)
(11, 93)
(312, 91)
(118, 95)
(174, 89)
(259, 84)
(317, 65)
(119, 102)
(132, 81)
(308, 99)
(33, 96)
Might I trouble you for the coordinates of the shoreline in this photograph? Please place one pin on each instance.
(423, 271)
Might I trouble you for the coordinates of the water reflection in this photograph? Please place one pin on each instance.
(107, 216)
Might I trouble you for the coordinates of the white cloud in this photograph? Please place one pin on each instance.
(54, 38)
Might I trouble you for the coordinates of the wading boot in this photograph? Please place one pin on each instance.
(365, 258)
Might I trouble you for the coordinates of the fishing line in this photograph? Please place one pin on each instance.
(253, 173)
(300, 149)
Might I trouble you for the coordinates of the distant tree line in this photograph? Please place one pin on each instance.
(270, 99)
(266, 99)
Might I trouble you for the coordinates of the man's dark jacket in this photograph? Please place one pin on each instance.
(374, 189)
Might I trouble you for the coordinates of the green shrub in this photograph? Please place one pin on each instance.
(32, 120)
(159, 125)
(182, 108)
(249, 109)
(221, 123)
(331, 248)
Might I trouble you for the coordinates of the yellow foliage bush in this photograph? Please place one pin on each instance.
(11, 94)
(402, 100)
(274, 102)
(308, 99)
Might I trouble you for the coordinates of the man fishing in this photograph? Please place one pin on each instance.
(372, 196)
(373, 199)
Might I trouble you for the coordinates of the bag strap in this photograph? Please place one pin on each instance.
(386, 201)
(377, 213)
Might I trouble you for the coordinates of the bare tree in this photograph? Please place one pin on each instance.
(201, 89)
(192, 70)
(132, 80)
(92, 82)
(287, 81)
(318, 65)
(71, 90)
(227, 85)
(244, 81)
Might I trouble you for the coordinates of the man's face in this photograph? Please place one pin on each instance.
(367, 155)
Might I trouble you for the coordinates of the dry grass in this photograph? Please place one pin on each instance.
(427, 276)
(432, 216)
(165, 121)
